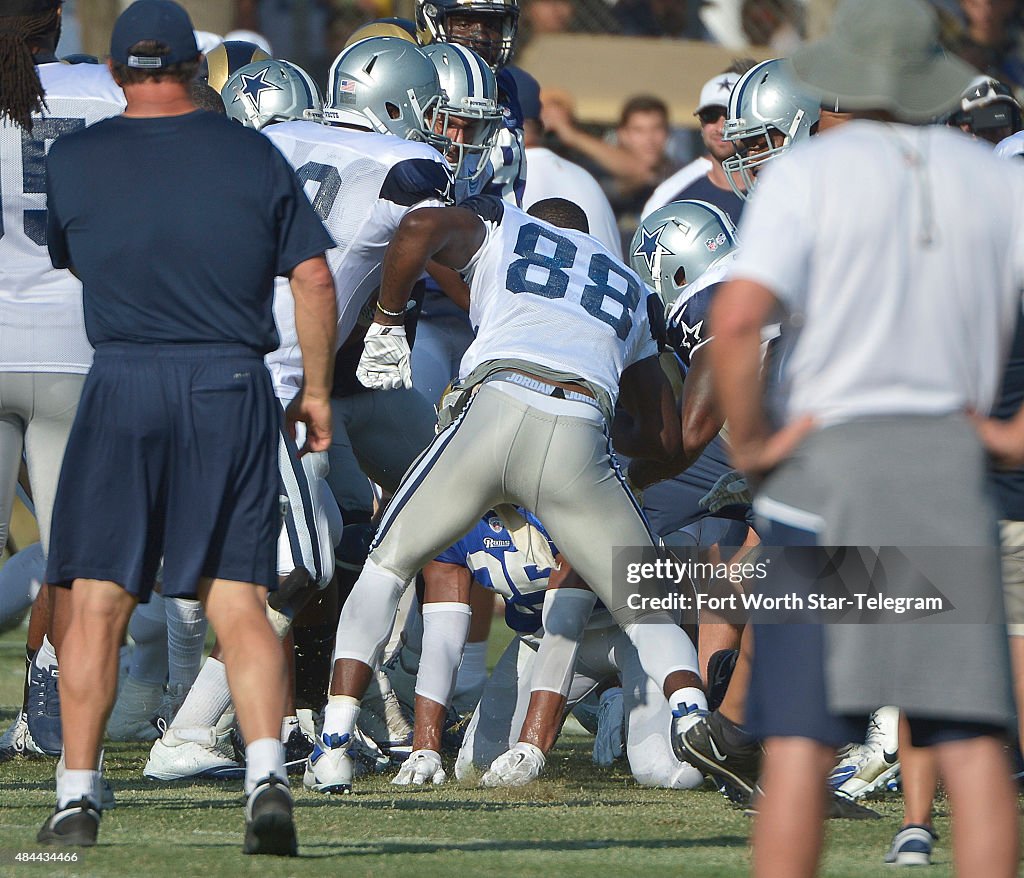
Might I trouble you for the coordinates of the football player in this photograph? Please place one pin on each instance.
(45, 354)
(562, 328)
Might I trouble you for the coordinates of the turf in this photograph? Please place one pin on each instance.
(578, 821)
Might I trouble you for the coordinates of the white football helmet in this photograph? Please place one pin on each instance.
(265, 92)
(767, 101)
(679, 242)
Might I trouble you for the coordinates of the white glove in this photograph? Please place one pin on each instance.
(730, 489)
(515, 768)
(608, 744)
(422, 767)
(384, 364)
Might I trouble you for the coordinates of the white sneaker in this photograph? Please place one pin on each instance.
(132, 717)
(17, 741)
(515, 768)
(186, 753)
(868, 767)
(330, 768)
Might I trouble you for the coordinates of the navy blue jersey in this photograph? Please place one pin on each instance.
(488, 553)
(1009, 484)
(177, 226)
(725, 200)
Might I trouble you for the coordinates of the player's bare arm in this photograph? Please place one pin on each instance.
(448, 235)
(649, 426)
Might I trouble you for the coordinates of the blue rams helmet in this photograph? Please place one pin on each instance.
(679, 242)
(271, 91)
(220, 62)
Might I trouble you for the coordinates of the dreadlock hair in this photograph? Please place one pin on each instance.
(23, 24)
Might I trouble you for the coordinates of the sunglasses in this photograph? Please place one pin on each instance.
(710, 115)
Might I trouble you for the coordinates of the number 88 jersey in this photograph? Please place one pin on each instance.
(555, 297)
(41, 306)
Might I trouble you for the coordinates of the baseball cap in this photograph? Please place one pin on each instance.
(163, 21)
(716, 91)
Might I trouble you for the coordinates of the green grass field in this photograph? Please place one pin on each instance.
(578, 821)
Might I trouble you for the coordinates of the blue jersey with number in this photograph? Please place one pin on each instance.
(555, 297)
(488, 553)
(675, 503)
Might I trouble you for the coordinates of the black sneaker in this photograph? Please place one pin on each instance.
(269, 828)
(703, 746)
(74, 825)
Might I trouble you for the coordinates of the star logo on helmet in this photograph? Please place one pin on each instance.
(650, 246)
(253, 85)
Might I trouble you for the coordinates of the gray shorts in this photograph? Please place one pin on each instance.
(36, 413)
(919, 483)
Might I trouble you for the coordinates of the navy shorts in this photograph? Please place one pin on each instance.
(173, 454)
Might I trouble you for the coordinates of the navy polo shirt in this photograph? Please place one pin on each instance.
(177, 226)
(725, 200)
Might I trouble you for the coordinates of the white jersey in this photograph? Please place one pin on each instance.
(43, 329)
(361, 184)
(555, 297)
(551, 176)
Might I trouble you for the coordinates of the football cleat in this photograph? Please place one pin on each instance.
(422, 768)
(42, 709)
(297, 749)
(74, 825)
(269, 827)
(912, 846)
(330, 767)
(516, 767)
(609, 742)
(720, 669)
(132, 716)
(734, 768)
(188, 753)
(17, 741)
(868, 767)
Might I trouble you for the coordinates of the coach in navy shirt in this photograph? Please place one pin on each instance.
(177, 222)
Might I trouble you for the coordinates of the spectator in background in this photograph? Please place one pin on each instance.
(990, 38)
(704, 178)
(632, 166)
(776, 24)
(679, 19)
(549, 16)
(552, 176)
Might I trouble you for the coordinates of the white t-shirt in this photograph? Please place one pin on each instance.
(667, 191)
(898, 255)
(551, 176)
(361, 184)
(555, 297)
(41, 324)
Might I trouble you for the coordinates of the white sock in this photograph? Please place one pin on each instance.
(45, 656)
(263, 758)
(689, 695)
(472, 670)
(287, 724)
(340, 715)
(208, 698)
(75, 783)
(186, 634)
(148, 628)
